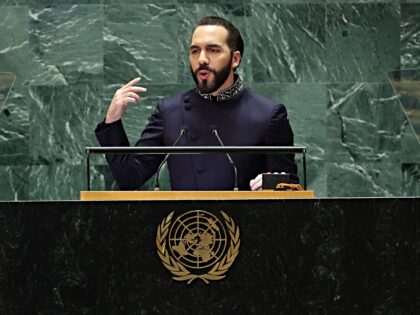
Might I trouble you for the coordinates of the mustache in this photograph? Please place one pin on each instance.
(204, 67)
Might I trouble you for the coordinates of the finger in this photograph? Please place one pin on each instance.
(129, 99)
(124, 99)
(256, 183)
(135, 89)
(138, 89)
(255, 186)
(133, 95)
(252, 186)
(132, 82)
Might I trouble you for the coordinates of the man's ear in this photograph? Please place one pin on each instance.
(236, 59)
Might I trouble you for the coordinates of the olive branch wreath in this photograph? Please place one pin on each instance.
(183, 274)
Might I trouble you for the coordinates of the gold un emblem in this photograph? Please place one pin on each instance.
(196, 245)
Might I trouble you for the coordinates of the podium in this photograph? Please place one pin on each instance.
(293, 256)
(193, 195)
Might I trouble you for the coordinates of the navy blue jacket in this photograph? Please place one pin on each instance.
(247, 119)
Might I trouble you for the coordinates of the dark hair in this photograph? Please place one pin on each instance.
(234, 40)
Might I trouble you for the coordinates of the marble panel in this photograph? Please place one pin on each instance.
(14, 125)
(365, 179)
(66, 44)
(333, 41)
(228, 2)
(316, 175)
(141, 40)
(14, 57)
(411, 179)
(101, 178)
(306, 106)
(96, 159)
(410, 146)
(190, 14)
(13, 2)
(358, 41)
(63, 120)
(410, 35)
(331, 1)
(290, 1)
(14, 184)
(56, 181)
(49, 2)
(363, 1)
(131, 2)
(288, 42)
(365, 123)
(14, 43)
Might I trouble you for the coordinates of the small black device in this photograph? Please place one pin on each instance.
(270, 181)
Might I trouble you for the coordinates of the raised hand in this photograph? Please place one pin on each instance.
(127, 94)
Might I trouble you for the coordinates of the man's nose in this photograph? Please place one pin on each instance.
(203, 59)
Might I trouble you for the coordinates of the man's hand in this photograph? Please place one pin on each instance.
(124, 96)
(256, 183)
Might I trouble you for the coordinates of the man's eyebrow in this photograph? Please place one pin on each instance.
(213, 46)
(207, 46)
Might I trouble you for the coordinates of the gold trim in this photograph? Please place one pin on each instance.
(193, 195)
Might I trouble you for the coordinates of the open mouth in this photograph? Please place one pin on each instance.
(203, 74)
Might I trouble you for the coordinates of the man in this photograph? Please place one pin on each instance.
(221, 101)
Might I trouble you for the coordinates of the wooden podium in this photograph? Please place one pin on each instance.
(194, 195)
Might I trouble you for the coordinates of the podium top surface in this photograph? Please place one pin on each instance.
(194, 195)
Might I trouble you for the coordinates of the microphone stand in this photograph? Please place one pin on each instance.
(184, 129)
(214, 131)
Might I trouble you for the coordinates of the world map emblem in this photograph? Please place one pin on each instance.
(198, 245)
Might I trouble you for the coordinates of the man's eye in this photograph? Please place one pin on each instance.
(193, 51)
(214, 50)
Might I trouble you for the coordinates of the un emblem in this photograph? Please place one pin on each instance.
(197, 245)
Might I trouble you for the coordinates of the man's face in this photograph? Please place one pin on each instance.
(211, 59)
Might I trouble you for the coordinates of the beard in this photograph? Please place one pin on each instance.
(220, 77)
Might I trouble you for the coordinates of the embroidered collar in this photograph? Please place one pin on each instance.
(227, 94)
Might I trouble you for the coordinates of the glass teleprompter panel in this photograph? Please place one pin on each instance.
(6, 83)
(406, 84)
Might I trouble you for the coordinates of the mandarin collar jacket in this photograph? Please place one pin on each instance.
(247, 119)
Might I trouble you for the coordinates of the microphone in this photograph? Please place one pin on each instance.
(213, 129)
(183, 130)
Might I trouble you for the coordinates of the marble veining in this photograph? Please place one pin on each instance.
(327, 61)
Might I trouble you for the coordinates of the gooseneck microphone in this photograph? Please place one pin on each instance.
(213, 129)
(183, 131)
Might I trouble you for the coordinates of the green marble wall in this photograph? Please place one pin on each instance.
(326, 60)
